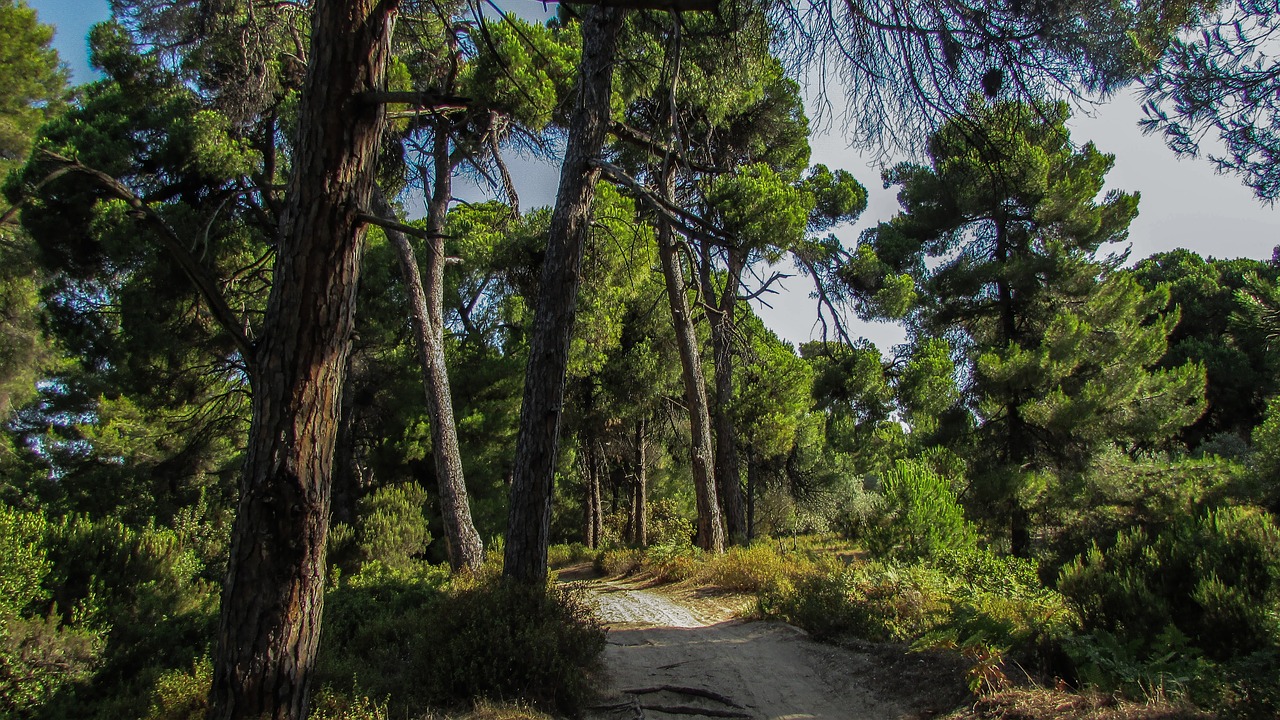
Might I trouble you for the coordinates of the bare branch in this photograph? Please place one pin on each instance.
(644, 141)
(172, 244)
(421, 100)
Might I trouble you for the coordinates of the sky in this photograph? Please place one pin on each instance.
(1184, 203)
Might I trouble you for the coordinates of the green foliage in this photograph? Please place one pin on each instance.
(921, 516)
(1214, 577)
(421, 642)
(32, 81)
(392, 526)
(759, 207)
(956, 599)
(1240, 372)
(40, 658)
(1118, 493)
(1266, 458)
(24, 561)
(523, 70)
(182, 694)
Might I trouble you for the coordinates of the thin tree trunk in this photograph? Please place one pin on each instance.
(529, 519)
(597, 505)
(640, 505)
(272, 598)
(347, 480)
(710, 531)
(462, 542)
(591, 502)
(728, 470)
(753, 484)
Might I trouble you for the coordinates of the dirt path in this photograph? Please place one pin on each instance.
(666, 659)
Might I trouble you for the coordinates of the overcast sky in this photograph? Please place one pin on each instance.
(1184, 203)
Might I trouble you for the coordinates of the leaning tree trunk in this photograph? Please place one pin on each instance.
(462, 542)
(728, 469)
(529, 518)
(273, 595)
(710, 531)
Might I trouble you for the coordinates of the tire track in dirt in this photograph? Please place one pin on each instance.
(666, 661)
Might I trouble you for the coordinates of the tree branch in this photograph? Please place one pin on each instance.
(687, 221)
(670, 5)
(172, 244)
(824, 300)
(644, 141)
(421, 100)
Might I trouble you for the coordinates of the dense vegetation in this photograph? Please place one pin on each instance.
(1069, 470)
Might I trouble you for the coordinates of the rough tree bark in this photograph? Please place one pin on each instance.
(710, 530)
(529, 518)
(272, 599)
(462, 542)
(722, 321)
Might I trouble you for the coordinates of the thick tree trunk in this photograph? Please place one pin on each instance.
(728, 469)
(529, 518)
(462, 542)
(272, 599)
(640, 504)
(710, 531)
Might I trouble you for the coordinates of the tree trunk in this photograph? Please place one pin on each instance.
(529, 519)
(710, 531)
(348, 475)
(753, 485)
(640, 505)
(728, 470)
(591, 504)
(462, 542)
(273, 595)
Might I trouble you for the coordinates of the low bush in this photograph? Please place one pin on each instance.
(620, 561)
(503, 641)
(563, 555)
(919, 516)
(1194, 607)
(420, 639)
(959, 599)
(1216, 578)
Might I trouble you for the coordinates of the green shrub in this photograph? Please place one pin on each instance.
(328, 704)
(563, 555)
(141, 590)
(667, 525)
(182, 694)
(818, 601)
(920, 515)
(391, 527)
(423, 640)
(24, 562)
(752, 568)
(619, 561)
(39, 658)
(40, 654)
(968, 598)
(503, 641)
(1216, 578)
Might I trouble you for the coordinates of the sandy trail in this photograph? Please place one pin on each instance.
(666, 660)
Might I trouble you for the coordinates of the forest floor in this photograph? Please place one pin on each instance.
(682, 652)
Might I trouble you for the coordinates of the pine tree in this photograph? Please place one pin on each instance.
(1001, 234)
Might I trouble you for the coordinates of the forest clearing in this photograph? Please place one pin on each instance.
(290, 430)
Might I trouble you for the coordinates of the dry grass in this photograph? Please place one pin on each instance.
(489, 711)
(1046, 704)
